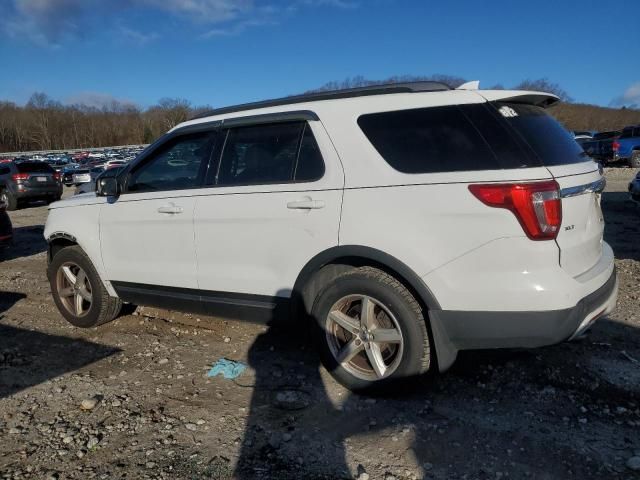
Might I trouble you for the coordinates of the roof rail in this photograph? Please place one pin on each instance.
(383, 89)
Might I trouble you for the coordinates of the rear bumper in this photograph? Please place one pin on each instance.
(465, 330)
(31, 192)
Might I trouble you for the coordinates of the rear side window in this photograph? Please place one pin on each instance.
(552, 144)
(270, 154)
(442, 139)
(4, 170)
(626, 133)
(34, 167)
(310, 165)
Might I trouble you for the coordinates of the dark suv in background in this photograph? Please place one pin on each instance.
(24, 181)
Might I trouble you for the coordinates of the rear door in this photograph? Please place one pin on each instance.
(273, 205)
(581, 184)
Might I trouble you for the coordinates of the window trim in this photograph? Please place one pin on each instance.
(221, 127)
(159, 145)
(218, 153)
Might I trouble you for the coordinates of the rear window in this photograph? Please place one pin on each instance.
(605, 135)
(443, 139)
(630, 132)
(34, 167)
(552, 144)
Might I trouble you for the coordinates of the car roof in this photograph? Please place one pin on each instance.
(375, 98)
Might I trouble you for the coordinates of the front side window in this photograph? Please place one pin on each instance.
(260, 154)
(179, 164)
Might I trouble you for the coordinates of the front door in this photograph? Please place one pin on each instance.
(147, 233)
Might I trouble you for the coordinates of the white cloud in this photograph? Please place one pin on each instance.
(97, 100)
(51, 22)
(630, 97)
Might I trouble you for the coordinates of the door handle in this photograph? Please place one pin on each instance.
(306, 204)
(170, 209)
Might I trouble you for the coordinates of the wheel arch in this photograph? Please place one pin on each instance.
(57, 241)
(357, 255)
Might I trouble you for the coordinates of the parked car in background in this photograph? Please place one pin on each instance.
(600, 146)
(96, 174)
(81, 175)
(67, 174)
(581, 136)
(6, 229)
(404, 222)
(25, 181)
(634, 188)
(627, 146)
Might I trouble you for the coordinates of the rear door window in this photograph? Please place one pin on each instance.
(34, 167)
(270, 154)
(443, 139)
(549, 140)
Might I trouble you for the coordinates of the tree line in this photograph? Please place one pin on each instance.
(46, 124)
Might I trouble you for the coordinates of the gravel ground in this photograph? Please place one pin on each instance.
(131, 399)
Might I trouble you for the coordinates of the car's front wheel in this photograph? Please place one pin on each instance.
(78, 291)
(370, 330)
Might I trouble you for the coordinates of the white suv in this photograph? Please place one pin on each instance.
(406, 222)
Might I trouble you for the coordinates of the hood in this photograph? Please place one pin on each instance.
(89, 198)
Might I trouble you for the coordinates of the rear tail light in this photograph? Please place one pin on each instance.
(57, 176)
(615, 146)
(536, 205)
(20, 176)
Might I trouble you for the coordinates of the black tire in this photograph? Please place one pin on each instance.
(103, 308)
(635, 159)
(9, 199)
(389, 293)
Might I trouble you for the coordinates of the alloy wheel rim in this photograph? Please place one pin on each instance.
(74, 289)
(364, 337)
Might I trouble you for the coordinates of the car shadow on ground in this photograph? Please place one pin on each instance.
(462, 418)
(29, 358)
(622, 227)
(27, 241)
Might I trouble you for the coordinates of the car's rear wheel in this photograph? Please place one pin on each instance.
(635, 159)
(370, 330)
(9, 200)
(78, 291)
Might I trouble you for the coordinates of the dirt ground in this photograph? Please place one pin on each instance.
(566, 411)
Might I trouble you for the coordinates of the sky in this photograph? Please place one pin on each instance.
(223, 52)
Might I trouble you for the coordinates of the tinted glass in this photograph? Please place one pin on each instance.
(260, 154)
(33, 167)
(178, 165)
(605, 135)
(626, 133)
(310, 165)
(4, 170)
(428, 140)
(552, 144)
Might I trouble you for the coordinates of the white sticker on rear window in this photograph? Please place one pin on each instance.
(508, 112)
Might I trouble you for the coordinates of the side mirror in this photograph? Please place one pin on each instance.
(107, 187)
